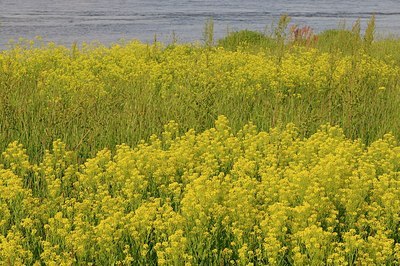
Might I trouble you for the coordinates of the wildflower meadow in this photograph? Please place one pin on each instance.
(255, 149)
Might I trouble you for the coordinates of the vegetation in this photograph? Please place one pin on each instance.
(247, 40)
(211, 198)
(275, 149)
(95, 97)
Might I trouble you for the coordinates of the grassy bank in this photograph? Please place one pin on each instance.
(143, 154)
(94, 97)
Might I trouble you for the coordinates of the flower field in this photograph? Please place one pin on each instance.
(96, 97)
(210, 198)
(252, 151)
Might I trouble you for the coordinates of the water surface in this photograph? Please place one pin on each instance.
(108, 21)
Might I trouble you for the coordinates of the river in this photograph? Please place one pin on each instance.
(67, 21)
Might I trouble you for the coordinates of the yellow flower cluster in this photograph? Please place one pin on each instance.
(98, 70)
(52, 92)
(74, 94)
(211, 198)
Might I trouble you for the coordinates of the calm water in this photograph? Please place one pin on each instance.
(66, 21)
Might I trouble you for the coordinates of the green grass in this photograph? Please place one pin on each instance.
(91, 98)
(247, 40)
